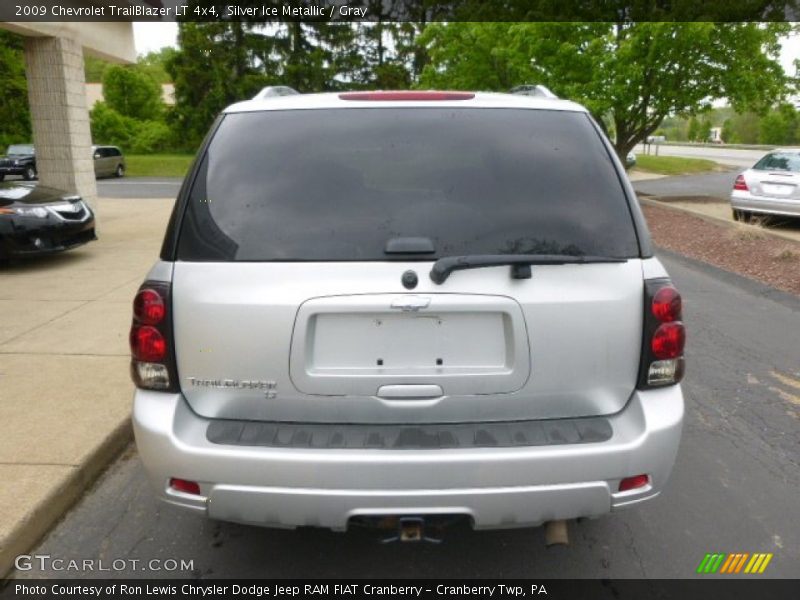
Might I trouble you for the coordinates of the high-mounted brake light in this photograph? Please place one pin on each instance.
(664, 336)
(407, 95)
(740, 184)
(152, 352)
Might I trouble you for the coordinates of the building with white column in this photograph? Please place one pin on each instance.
(57, 94)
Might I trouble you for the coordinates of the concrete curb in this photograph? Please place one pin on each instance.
(42, 516)
(652, 201)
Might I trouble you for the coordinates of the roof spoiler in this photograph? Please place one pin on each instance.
(533, 90)
(274, 91)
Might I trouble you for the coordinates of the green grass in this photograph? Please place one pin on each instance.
(176, 165)
(673, 165)
(158, 165)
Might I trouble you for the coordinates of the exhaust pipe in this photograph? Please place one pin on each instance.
(555, 533)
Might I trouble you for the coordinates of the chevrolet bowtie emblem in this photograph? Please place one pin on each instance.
(411, 303)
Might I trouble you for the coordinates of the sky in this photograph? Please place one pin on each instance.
(152, 36)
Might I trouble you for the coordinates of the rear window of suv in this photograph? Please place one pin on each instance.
(336, 184)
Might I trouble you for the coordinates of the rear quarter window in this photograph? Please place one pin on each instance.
(779, 162)
(336, 184)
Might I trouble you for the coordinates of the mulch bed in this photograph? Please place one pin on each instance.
(742, 249)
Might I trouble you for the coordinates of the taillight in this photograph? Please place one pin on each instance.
(666, 305)
(185, 486)
(664, 336)
(152, 351)
(148, 307)
(633, 483)
(740, 184)
(668, 341)
(147, 344)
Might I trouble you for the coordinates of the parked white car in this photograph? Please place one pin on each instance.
(770, 187)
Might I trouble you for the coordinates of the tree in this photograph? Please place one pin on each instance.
(694, 130)
(704, 132)
(743, 128)
(132, 93)
(217, 64)
(729, 135)
(93, 68)
(224, 62)
(779, 127)
(15, 126)
(110, 127)
(154, 64)
(632, 73)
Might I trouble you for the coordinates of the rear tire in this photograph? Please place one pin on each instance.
(29, 174)
(2, 177)
(120, 172)
(742, 216)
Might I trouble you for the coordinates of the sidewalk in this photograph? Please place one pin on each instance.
(65, 391)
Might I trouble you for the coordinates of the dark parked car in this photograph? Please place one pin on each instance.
(20, 159)
(39, 220)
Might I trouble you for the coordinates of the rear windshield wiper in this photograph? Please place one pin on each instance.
(520, 263)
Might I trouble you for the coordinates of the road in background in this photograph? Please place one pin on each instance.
(734, 488)
(722, 154)
(717, 185)
(139, 187)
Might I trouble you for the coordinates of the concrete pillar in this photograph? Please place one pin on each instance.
(57, 98)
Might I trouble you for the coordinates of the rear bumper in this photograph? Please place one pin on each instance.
(20, 170)
(40, 239)
(761, 204)
(496, 487)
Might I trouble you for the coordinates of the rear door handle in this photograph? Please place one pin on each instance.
(409, 392)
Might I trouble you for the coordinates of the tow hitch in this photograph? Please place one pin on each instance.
(411, 529)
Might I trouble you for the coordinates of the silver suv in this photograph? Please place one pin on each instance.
(389, 305)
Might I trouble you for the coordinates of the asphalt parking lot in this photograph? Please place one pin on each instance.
(734, 488)
(139, 187)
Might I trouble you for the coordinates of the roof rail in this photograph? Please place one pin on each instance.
(533, 90)
(273, 91)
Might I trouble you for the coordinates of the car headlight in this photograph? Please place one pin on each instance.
(36, 211)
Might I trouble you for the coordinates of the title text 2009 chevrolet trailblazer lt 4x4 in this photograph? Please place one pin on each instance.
(413, 305)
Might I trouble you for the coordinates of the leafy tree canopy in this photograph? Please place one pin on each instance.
(629, 75)
(132, 92)
(154, 64)
(15, 126)
(93, 68)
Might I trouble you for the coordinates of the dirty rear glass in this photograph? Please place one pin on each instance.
(779, 162)
(336, 184)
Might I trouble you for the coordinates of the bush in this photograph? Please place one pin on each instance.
(110, 127)
(151, 136)
(132, 92)
(133, 136)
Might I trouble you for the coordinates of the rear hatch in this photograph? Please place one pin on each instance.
(289, 291)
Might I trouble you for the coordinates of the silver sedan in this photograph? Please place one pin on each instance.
(770, 187)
